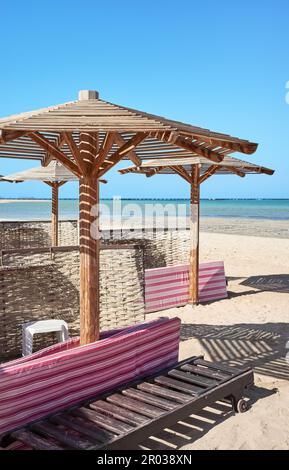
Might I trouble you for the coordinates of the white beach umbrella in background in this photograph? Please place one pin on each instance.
(55, 175)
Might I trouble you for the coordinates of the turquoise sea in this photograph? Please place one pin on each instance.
(273, 209)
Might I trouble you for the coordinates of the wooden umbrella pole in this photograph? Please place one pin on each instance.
(194, 235)
(54, 215)
(89, 242)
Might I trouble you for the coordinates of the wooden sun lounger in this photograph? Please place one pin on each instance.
(125, 417)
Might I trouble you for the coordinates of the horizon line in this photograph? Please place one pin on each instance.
(150, 199)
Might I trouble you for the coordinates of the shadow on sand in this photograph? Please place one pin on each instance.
(262, 346)
(268, 283)
(261, 283)
(197, 425)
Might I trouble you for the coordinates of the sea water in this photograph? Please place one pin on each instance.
(272, 209)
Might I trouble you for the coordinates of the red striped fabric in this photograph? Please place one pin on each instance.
(64, 346)
(169, 287)
(30, 390)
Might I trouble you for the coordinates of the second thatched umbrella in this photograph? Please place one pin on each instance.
(196, 170)
(55, 175)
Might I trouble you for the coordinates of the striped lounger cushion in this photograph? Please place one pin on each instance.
(169, 287)
(38, 385)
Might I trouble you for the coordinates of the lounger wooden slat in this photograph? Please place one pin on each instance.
(123, 418)
(82, 427)
(164, 392)
(103, 435)
(116, 412)
(204, 372)
(34, 441)
(149, 398)
(178, 385)
(222, 368)
(110, 424)
(193, 379)
(64, 436)
(130, 404)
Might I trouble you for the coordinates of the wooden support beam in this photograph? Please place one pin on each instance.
(88, 147)
(186, 143)
(59, 183)
(123, 150)
(181, 172)
(108, 142)
(142, 171)
(54, 215)
(259, 169)
(148, 172)
(55, 209)
(194, 236)
(7, 136)
(89, 243)
(69, 140)
(231, 169)
(53, 150)
(47, 159)
(210, 172)
(153, 171)
(242, 147)
(119, 140)
(247, 148)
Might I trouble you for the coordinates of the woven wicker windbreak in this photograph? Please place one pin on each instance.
(44, 284)
(35, 234)
(40, 283)
(160, 248)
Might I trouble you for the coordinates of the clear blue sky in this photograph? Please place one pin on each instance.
(220, 64)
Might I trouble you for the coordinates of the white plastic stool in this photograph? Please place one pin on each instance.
(42, 326)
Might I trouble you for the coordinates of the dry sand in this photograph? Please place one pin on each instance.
(251, 327)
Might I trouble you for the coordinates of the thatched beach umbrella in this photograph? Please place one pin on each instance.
(90, 136)
(196, 170)
(54, 175)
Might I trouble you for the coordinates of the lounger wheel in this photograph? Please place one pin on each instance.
(242, 406)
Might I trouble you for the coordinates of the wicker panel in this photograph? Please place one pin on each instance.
(36, 234)
(46, 285)
(42, 284)
(68, 232)
(121, 288)
(161, 248)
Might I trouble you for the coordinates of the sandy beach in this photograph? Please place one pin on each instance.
(251, 327)
(242, 226)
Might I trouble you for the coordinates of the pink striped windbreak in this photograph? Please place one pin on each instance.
(169, 287)
(67, 373)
